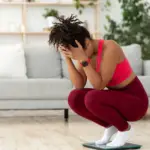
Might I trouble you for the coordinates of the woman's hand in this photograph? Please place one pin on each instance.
(74, 53)
(65, 52)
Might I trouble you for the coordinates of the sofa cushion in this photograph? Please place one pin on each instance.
(145, 80)
(134, 55)
(65, 72)
(24, 89)
(42, 61)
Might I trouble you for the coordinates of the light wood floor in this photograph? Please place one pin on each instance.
(46, 130)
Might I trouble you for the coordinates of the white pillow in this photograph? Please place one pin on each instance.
(12, 61)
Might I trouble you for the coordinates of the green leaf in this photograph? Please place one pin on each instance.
(108, 4)
(82, 6)
(105, 27)
(108, 17)
(91, 4)
(50, 12)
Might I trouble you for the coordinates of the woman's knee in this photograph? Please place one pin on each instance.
(92, 98)
(74, 98)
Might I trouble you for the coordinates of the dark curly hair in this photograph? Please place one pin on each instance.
(67, 30)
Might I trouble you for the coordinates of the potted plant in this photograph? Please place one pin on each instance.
(50, 15)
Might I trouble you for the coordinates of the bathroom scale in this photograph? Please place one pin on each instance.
(104, 147)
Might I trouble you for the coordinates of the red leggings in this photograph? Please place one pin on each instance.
(111, 107)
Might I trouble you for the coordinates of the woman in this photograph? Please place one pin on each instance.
(104, 64)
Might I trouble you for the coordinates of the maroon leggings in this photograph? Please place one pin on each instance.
(111, 107)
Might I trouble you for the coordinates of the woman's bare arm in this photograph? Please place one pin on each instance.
(76, 73)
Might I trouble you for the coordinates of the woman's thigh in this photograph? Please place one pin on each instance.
(130, 107)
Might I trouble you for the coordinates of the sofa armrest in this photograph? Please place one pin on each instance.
(145, 80)
(146, 67)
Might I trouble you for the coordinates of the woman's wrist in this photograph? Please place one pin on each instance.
(67, 58)
(85, 58)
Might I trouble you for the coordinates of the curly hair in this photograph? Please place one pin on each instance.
(67, 30)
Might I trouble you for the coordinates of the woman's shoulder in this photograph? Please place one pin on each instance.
(113, 48)
(111, 45)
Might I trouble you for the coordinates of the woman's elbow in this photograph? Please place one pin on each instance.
(80, 86)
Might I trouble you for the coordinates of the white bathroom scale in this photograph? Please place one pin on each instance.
(128, 146)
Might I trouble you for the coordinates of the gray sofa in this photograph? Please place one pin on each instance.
(47, 86)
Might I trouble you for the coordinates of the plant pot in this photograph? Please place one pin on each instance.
(50, 21)
(147, 67)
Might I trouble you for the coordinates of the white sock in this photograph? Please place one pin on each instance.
(120, 139)
(108, 133)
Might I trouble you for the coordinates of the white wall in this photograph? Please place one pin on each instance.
(8, 16)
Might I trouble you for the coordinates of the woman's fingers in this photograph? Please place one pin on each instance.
(79, 45)
(63, 48)
(66, 54)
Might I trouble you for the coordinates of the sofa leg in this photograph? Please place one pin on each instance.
(66, 114)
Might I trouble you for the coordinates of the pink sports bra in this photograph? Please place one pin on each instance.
(122, 71)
